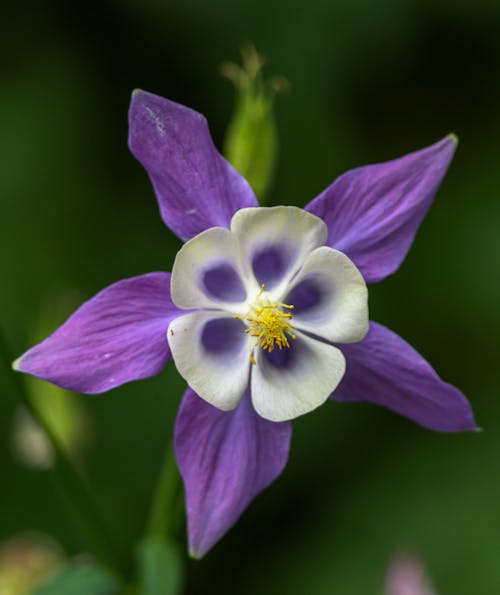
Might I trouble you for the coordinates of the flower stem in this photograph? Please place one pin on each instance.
(67, 475)
(164, 511)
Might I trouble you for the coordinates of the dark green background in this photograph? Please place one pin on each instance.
(369, 81)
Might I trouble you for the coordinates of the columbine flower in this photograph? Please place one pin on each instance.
(270, 302)
(265, 312)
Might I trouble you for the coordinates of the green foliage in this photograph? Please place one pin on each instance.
(160, 569)
(81, 580)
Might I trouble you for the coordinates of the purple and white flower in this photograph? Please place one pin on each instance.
(271, 301)
(265, 313)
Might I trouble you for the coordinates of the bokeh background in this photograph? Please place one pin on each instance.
(369, 81)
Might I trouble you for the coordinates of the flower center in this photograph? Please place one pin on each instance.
(269, 324)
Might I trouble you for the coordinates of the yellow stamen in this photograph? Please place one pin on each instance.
(269, 325)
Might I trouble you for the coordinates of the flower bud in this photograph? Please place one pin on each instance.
(250, 144)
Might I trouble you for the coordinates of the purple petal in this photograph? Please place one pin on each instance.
(387, 371)
(195, 186)
(373, 212)
(117, 336)
(226, 459)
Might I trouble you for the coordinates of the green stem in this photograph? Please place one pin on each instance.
(67, 476)
(162, 518)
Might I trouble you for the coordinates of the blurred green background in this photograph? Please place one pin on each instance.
(369, 81)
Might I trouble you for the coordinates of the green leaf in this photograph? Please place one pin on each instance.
(81, 580)
(160, 568)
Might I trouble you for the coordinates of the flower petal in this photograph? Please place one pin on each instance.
(330, 297)
(207, 272)
(225, 459)
(210, 351)
(373, 212)
(117, 336)
(290, 382)
(275, 241)
(195, 186)
(385, 370)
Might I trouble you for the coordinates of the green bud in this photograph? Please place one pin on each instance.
(251, 141)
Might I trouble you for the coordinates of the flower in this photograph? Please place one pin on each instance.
(406, 576)
(271, 300)
(242, 269)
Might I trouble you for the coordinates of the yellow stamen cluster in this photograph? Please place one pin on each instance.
(269, 325)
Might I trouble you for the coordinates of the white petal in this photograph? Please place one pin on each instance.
(305, 377)
(210, 351)
(207, 272)
(275, 241)
(330, 297)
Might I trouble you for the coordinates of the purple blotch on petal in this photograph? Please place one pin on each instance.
(270, 264)
(223, 336)
(288, 359)
(306, 296)
(223, 282)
